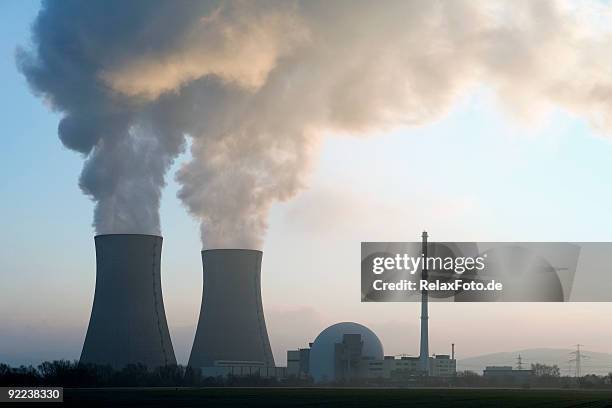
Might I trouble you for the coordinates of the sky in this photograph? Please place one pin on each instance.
(477, 173)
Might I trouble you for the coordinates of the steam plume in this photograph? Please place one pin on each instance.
(256, 84)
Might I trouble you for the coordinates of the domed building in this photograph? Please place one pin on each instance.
(338, 351)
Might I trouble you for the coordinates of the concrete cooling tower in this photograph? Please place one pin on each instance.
(231, 328)
(128, 322)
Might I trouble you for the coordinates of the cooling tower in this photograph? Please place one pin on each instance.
(128, 322)
(232, 325)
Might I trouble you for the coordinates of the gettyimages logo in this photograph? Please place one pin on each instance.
(486, 271)
(458, 265)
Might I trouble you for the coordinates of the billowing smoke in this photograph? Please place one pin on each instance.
(256, 84)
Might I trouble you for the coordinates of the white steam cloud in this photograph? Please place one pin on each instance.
(256, 84)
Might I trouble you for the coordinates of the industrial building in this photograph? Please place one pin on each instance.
(231, 335)
(347, 351)
(128, 322)
(243, 369)
(392, 367)
(338, 351)
(507, 374)
(298, 362)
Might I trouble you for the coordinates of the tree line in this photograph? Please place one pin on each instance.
(64, 373)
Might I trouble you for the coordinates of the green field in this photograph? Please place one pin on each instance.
(315, 397)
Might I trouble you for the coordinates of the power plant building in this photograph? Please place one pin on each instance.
(347, 351)
(298, 362)
(350, 351)
(128, 321)
(231, 329)
(337, 351)
(392, 367)
(243, 369)
(507, 374)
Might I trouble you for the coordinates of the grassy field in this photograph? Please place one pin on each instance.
(315, 397)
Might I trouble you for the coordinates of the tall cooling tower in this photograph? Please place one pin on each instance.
(128, 322)
(232, 325)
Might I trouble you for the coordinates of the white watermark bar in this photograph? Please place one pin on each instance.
(486, 271)
(31, 394)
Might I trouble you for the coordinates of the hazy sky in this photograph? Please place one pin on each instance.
(477, 174)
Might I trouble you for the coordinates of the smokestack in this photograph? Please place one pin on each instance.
(128, 322)
(452, 351)
(231, 325)
(424, 354)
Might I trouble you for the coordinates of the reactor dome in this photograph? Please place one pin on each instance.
(322, 358)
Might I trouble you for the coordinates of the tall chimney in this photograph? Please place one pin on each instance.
(231, 325)
(424, 354)
(128, 322)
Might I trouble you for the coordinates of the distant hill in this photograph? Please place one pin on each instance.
(595, 363)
